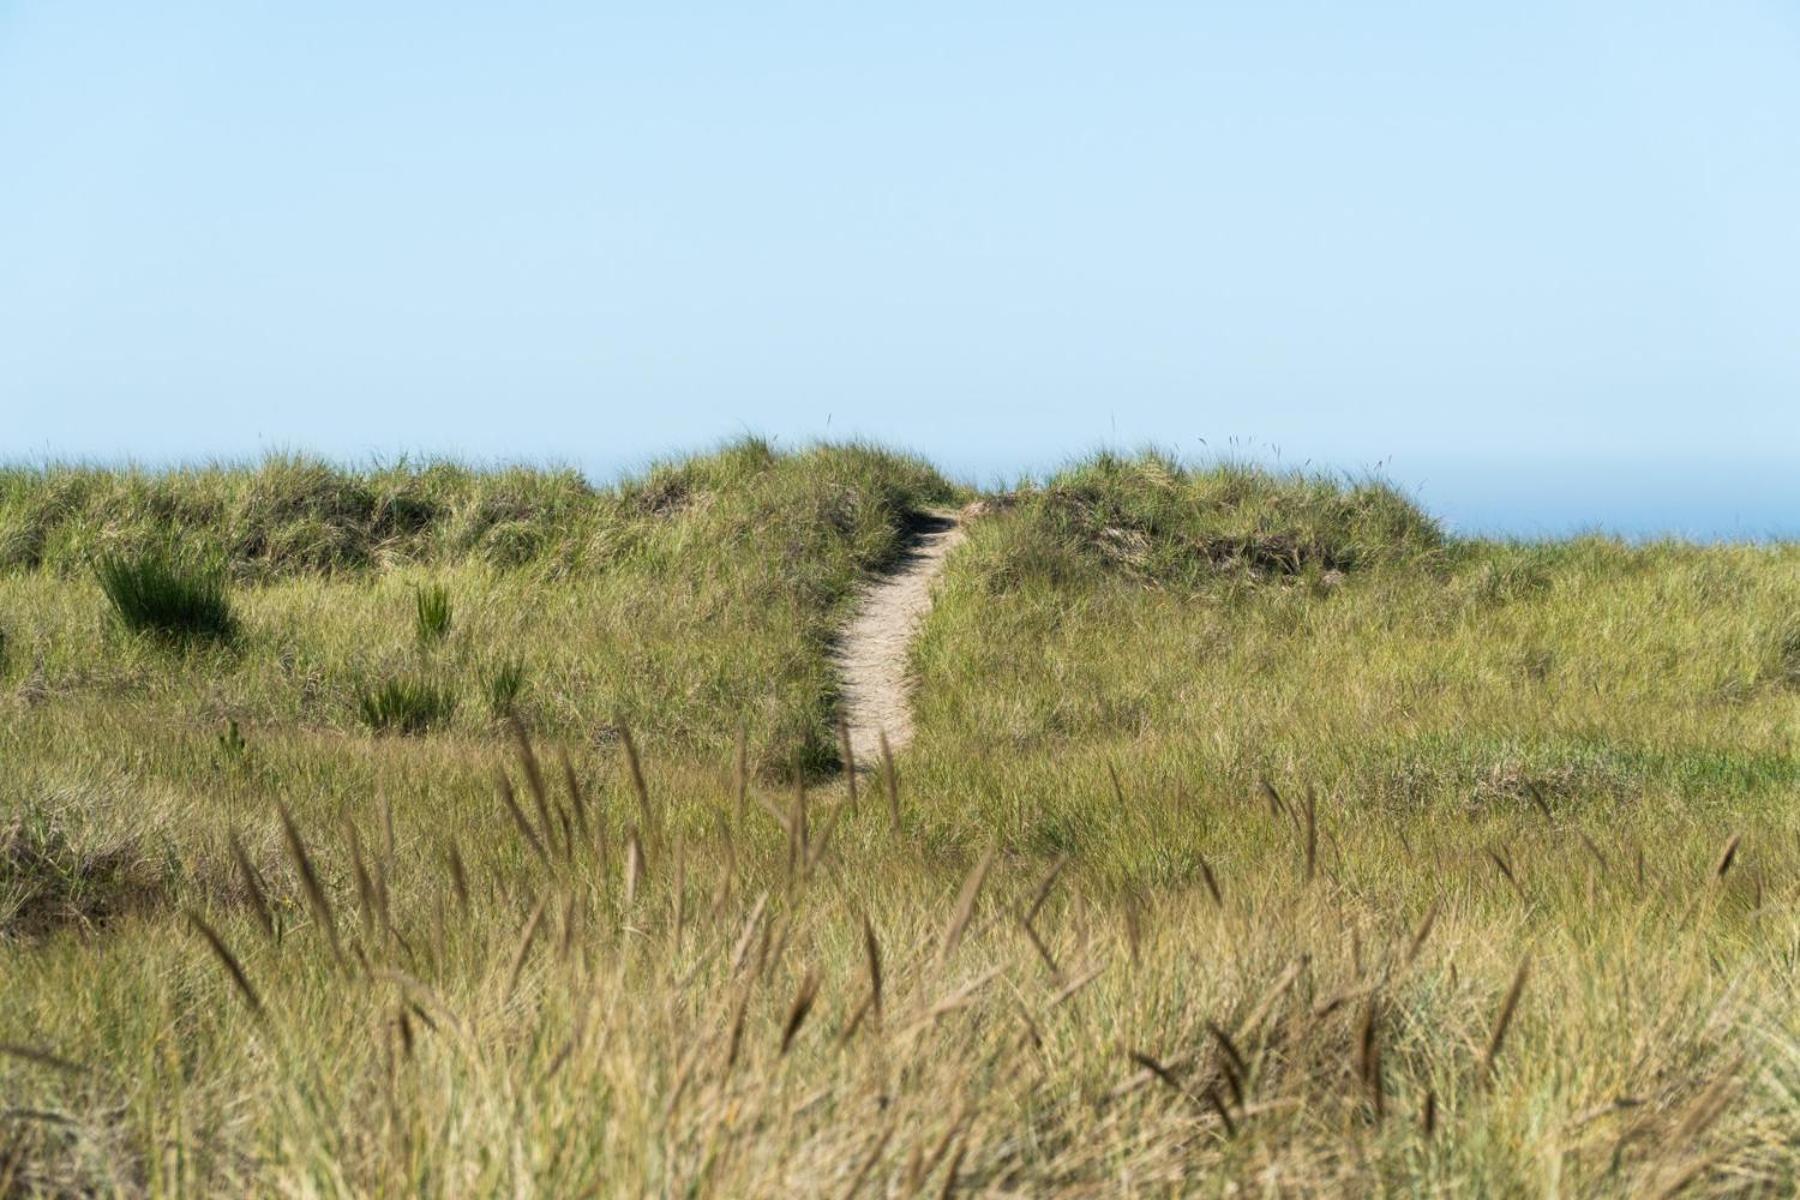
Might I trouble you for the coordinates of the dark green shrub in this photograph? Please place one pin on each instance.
(405, 706)
(159, 593)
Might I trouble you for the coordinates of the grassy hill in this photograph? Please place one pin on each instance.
(688, 602)
(1257, 835)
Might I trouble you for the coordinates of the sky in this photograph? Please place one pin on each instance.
(1539, 262)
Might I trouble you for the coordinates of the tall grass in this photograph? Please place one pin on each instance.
(502, 684)
(1167, 523)
(160, 593)
(405, 705)
(829, 1002)
(431, 614)
(294, 516)
(1393, 864)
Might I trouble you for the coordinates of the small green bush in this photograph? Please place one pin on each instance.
(405, 706)
(503, 682)
(161, 594)
(432, 618)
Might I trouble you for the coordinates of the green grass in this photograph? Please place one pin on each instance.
(503, 684)
(158, 593)
(1154, 521)
(293, 515)
(1237, 803)
(695, 599)
(431, 618)
(405, 705)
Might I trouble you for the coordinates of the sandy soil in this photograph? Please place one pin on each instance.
(872, 655)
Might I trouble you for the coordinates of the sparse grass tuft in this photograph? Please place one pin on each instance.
(431, 616)
(1784, 654)
(502, 683)
(405, 706)
(58, 873)
(162, 594)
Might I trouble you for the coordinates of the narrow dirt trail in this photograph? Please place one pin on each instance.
(871, 659)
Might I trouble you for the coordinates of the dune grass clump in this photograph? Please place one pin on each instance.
(159, 593)
(61, 868)
(501, 684)
(408, 706)
(294, 515)
(431, 614)
(1168, 524)
(1784, 654)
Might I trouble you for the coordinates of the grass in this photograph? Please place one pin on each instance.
(292, 515)
(503, 684)
(1257, 835)
(431, 618)
(697, 598)
(158, 593)
(405, 705)
(53, 876)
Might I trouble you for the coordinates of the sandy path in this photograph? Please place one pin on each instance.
(871, 658)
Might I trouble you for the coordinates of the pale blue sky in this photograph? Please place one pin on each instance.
(1541, 258)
